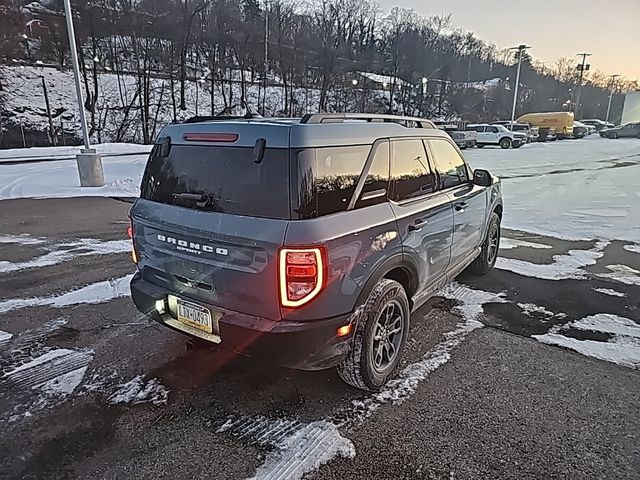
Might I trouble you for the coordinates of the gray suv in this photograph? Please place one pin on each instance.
(308, 242)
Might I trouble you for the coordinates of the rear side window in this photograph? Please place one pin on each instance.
(493, 129)
(337, 172)
(451, 168)
(376, 184)
(410, 170)
(326, 179)
(219, 179)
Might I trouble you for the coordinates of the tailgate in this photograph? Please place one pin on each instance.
(226, 260)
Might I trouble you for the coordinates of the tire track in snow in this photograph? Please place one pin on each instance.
(63, 252)
(299, 448)
(99, 292)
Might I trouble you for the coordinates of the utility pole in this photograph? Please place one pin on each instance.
(521, 49)
(266, 55)
(582, 67)
(611, 85)
(88, 160)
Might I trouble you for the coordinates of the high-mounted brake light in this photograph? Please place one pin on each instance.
(301, 275)
(211, 137)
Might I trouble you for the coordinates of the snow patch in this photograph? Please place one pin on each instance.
(67, 251)
(610, 292)
(510, 243)
(24, 239)
(64, 384)
(619, 349)
(137, 391)
(623, 274)
(563, 267)
(632, 248)
(99, 292)
(306, 450)
(608, 323)
(530, 308)
(5, 336)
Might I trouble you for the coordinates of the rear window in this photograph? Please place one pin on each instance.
(226, 178)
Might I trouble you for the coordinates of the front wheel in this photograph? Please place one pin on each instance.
(381, 334)
(505, 143)
(485, 262)
(613, 135)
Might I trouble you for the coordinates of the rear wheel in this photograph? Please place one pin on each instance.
(489, 252)
(505, 143)
(380, 338)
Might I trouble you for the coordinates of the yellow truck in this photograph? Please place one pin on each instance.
(561, 121)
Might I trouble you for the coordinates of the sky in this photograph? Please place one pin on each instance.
(609, 29)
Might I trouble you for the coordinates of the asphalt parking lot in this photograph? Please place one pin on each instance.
(90, 389)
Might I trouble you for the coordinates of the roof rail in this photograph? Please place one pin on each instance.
(315, 118)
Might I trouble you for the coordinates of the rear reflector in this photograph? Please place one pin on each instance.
(134, 254)
(301, 275)
(210, 137)
(344, 330)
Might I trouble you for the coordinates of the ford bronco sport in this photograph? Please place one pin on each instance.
(309, 241)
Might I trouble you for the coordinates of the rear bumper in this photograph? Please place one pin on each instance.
(310, 345)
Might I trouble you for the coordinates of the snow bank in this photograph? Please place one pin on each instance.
(57, 153)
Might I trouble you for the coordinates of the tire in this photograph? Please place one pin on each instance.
(365, 366)
(505, 143)
(485, 262)
(613, 135)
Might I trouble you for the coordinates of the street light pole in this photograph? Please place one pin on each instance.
(521, 49)
(611, 85)
(89, 162)
(582, 68)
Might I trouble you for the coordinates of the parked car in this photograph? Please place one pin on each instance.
(591, 129)
(531, 132)
(464, 139)
(621, 131)
(580, 130)
(561, 121)
(598, 124)
(497, 135)
(317, 243)
(547, 135)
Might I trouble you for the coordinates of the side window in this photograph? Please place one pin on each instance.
(376, 184)
(479, 129)
(410, 170)
(492, 129)
(450, 166)
(337, 172)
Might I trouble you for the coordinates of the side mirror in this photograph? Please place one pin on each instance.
(482, 178)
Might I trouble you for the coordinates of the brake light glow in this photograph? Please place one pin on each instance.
(210, 137)
(301, 275)
(134, 254)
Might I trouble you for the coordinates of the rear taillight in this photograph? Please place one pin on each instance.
(134, 255)
(301, 275)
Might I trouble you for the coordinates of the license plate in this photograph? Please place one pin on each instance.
(195, 315)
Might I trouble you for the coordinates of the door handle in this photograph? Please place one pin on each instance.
(461, 206)
(417, 225)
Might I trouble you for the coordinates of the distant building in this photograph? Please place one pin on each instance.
(36, 28)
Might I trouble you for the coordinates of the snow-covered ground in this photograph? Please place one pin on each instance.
(574, 189)
(582, 189)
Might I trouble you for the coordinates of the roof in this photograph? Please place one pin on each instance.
(311, 131)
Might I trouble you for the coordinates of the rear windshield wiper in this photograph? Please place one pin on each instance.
(201, 199)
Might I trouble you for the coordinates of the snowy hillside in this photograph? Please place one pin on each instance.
(118, 113)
